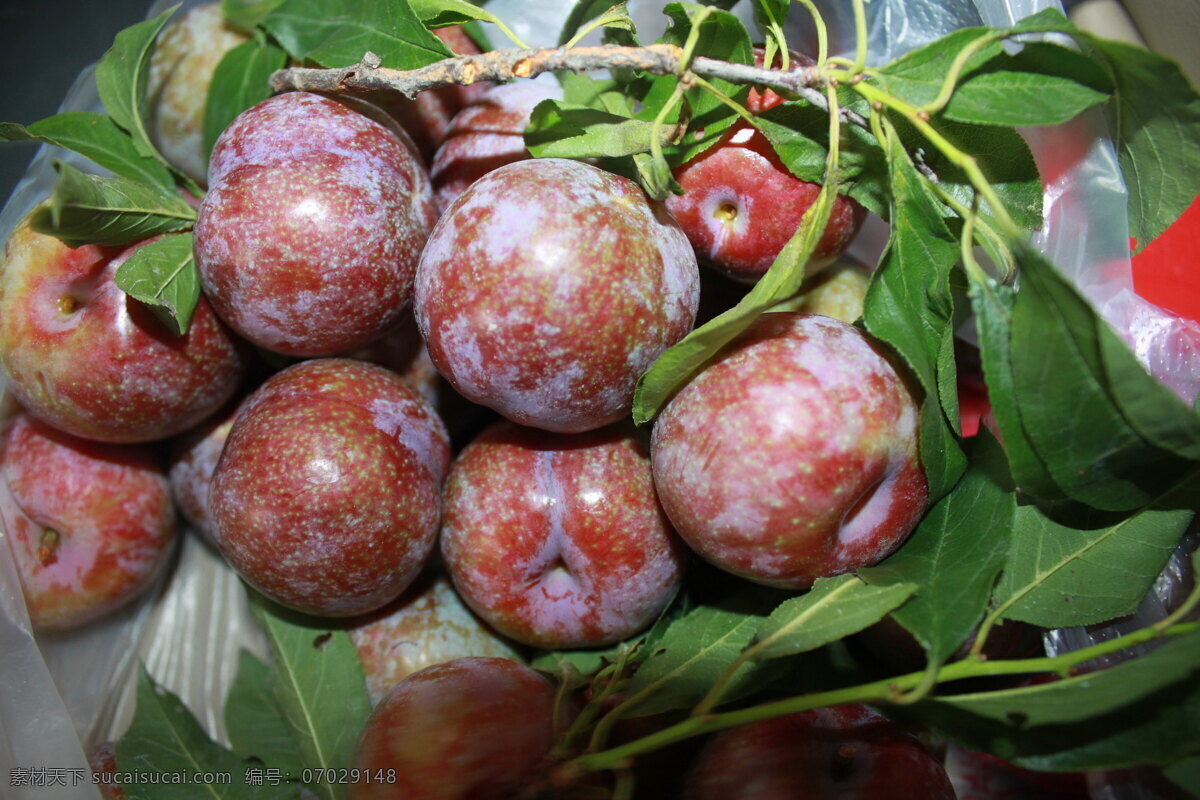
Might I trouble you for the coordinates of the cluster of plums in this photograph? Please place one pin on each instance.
(541, 289)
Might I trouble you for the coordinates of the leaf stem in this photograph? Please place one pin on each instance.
(950, 82)
(860, 37)
(964, 161)
(883, 691)
(822, 31)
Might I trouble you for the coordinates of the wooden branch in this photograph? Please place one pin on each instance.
(508, 65)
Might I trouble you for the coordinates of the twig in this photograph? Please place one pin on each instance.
(510, 64)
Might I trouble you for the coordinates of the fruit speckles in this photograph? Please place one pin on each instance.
(319, 506)
(308, 240)
(793, 455)
(558, 540)
(426, 625)
(548, 287)
(90, 524)
(87, 359)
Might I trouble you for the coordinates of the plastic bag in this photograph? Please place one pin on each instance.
(62, 694)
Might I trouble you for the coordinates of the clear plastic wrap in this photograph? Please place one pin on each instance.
(60, 695)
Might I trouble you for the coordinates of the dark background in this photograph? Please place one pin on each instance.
(44, 44)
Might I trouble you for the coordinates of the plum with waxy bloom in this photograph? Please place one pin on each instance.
(309, 236)
(557, 540)
(91, 525)
(89, 360)
(793, 454)
(548, 287)
(327, 496)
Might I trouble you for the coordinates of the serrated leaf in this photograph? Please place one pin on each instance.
(1088, 695)
(255, 721)
(783, 280)
(163, 275)
(833, 609)
(441, 13)
(94, 136)
(319, 684)
(332, 33)
(1062, 386)
(165, 739)
(1086, 569)
(246, 14)
(992, 303)
(1155, 119)
(241, 80)
(1003, 157)
(1043, 84)
(122, 76)
(909, 305)
(584, 90)
(558, 130)
(917, 76)
(721, 36)
(954, 556)
(88, 209)
(682, 666)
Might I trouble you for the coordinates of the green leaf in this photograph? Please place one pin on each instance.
(1186, 775)
(584, 12)
(165, 739)
(833, 609)
(122, 76)
(1088, 695)
(1043, 84)
(783, 280)
(1061, 357)
(246, 14)
(319, 684)
(917, 76)
(682, 666)
(1084, 569)
(441, 13)
(87, 209)
(94, 136)
(558, 130)
(241, 80)
(1157, 729)
(255, 722)
(332, 33)
(163, 275)
(993, 303)
(606, 95)
(721, 36)
(954, 556)
(1003, 157)
(909, 305)
(1155, 119)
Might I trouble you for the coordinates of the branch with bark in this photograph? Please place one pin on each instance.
(510, 64)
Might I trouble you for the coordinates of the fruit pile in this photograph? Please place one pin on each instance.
(396, 350)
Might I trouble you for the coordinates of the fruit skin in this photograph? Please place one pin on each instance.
(194, 456)
(102, 759)
(473, 728)
(82, 356)
(558, 540)
(309, 236)
(181, 68)
(741, 205)
(549, 287)
(793, 455)
(843, 752)
(485, 136)
(426, 625)
(327, 496)
(91, 525)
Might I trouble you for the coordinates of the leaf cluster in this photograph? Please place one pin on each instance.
(292, 722)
